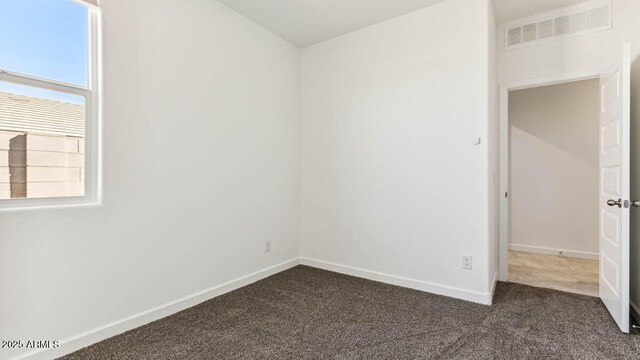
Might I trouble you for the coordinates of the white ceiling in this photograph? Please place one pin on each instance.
(305, 22)
(509, 10)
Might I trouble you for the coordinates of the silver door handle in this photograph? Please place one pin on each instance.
(635, 203)
(612, 202)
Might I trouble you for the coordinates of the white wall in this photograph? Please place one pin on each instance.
(554, 168)
(201, 166)
(393, 186)
(632, 13)
(493, 141)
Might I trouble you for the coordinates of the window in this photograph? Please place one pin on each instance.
(49, 103)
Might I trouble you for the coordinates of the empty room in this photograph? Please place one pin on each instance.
(553, 182)
(319, 179)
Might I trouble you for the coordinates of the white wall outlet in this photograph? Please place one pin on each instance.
(467, 262)
(267, 245)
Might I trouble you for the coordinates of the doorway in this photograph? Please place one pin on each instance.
(553, 182)
(614, 138)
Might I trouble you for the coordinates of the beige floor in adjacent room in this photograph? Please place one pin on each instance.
(554, 272)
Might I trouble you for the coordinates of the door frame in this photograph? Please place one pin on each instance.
(503, 152)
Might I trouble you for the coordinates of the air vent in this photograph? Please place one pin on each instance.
(530, 32)
(571, 21)
(514, 36)
(545, 29)
(561, 25)
(580, 22)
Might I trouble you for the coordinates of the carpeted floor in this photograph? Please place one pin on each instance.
(305, 313)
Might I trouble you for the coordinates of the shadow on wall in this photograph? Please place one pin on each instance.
(18, 166)
(559, 123)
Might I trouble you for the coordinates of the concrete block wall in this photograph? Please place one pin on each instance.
(40, 166)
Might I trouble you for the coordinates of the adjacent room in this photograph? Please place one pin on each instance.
(553, 159)
(319, 179)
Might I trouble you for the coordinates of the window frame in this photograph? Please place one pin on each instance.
(92, 94)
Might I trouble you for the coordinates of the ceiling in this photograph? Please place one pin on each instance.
(306, 22)
(509, 10)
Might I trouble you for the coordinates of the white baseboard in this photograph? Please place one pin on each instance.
(98, 334)
(494, 283)
(93, 336)
(553, 251)
(635, 311)
(469, 295)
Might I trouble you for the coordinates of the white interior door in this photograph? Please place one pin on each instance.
(615, 190)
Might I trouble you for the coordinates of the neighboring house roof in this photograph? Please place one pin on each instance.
(35, 115)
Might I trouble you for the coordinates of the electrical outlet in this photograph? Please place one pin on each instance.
(467, 262)
(267, 245)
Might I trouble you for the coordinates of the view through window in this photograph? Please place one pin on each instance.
(44, 95)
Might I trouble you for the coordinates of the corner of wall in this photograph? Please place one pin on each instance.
(492, 140)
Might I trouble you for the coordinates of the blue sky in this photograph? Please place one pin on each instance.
(45, 38)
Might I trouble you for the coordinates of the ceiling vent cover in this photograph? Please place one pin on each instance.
(581, 19)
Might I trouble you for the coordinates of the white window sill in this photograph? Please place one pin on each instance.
(20, 205)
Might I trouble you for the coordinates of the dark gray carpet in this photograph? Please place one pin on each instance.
(305, 313)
